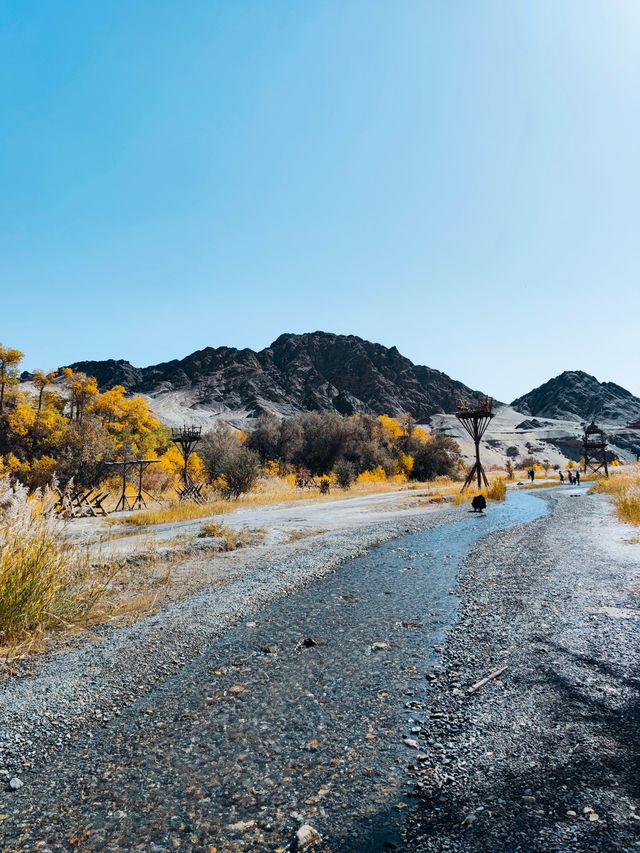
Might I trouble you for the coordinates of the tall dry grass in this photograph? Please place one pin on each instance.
(624, 488)
(43, 582)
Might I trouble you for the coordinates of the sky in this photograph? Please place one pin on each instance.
(457, 179)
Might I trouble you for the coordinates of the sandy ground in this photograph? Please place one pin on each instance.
(277, 521)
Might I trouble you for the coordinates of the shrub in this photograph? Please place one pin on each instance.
(497, 491)
(345, 473)
(377, 475)
(216, 447)
(40, 575)
(438, 458)
(240, 473)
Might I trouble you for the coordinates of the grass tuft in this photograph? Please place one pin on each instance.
(624, 488)
(43, 582)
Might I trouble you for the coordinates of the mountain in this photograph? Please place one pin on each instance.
(577, 396)
(315, 371)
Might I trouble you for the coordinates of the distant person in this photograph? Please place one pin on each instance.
(578, 477)
(561, 475)
(532, 474)
(479, 503)
(571, 478)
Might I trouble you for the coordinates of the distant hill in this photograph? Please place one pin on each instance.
(577, 396)
(316, 371)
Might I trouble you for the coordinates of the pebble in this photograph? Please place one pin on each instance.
(305, 838)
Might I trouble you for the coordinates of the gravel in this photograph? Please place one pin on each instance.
(546, 756)
(318, 712)
(65, 695)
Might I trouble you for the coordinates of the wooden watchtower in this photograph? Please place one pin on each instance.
(594, 446)
(475, 418)
(186, 437)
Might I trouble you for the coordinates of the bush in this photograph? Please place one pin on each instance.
(439, 458)
(345, 473)
(216, 447)
(40, 574)
(497, 491)
(240, 473)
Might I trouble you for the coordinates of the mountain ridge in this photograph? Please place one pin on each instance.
(316, 371)
(579, 396)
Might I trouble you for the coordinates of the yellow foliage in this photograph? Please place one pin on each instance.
(128, 419)
(377, 475)
(171, 464)
(391, 427)
(42, 472)
(497, 491)
(22, 419)
(15, 466)
(272, 468)
(421, 434)
(625, 490)
(242, 436)
(405, 464)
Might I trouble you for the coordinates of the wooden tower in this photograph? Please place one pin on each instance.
(595, 449)
(186, 438)
(475, 419)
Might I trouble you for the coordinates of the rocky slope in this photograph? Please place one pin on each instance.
(577, 396)
(316, 371)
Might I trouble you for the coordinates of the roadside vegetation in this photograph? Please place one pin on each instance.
(44, 584)
(624, 488)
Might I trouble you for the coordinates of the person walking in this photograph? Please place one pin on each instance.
(561, 475)
(578, 478)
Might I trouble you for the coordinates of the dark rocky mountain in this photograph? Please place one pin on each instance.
(316, 371)
(577, 396)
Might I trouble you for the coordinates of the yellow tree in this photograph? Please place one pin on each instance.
(9, 361)
(42, 380)
(128, 419)
(82, 390)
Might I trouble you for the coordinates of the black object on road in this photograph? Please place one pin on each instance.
(479, 503)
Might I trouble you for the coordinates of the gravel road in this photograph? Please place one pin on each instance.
(546, 757)
(215, 726)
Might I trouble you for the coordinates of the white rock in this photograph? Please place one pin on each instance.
(306, 837)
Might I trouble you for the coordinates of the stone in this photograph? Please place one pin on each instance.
(380, 646)
(305, 838)
(15, 783)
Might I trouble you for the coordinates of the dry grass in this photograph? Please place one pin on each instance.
(231, 538)
(45, 585)
(624, 488)
(51, 591)
(271, 491)
(297, 535)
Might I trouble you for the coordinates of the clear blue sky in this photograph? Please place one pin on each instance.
(459, 179)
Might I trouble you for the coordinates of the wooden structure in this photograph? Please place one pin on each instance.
(475, 419)
(186, 438)
(80, 504)
(132, 501)
(594, 447)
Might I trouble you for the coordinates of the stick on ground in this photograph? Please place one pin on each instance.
(495, 674)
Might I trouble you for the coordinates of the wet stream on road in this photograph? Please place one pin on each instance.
(263, 733)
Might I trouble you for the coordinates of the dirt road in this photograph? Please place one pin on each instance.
(344, 704)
